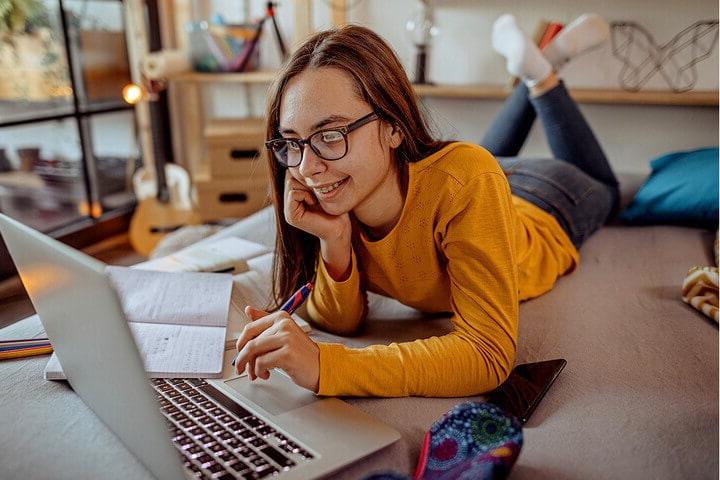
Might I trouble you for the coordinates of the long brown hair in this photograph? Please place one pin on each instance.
(380, 80)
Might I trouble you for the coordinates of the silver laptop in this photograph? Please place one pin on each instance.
(230, 428)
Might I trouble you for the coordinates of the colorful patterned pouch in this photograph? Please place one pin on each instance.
(474, 440)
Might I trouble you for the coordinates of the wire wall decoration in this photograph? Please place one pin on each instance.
(675, 61)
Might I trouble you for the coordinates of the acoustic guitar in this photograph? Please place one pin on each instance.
(162, 213)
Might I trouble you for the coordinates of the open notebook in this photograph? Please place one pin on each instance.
(178, 320)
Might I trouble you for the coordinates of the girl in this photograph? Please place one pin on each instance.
(367, 200)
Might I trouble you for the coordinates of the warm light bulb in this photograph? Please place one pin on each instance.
(132, 93)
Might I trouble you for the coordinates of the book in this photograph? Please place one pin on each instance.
(178, 321)
(226, 255)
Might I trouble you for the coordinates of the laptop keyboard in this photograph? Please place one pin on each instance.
(220, 439)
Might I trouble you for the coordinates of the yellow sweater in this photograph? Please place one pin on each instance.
(464, 245)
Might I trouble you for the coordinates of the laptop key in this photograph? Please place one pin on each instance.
(307, 455)
(265, 430)
(205, 459)
(267, 472)
(239, 466)
(225, 401)
(234, 443)
(214, 427)
(196, 413)
(258, 462)
(277, 456)
(246, 434)
(226, 418)
(287, 447)
(216, 448)
(235, 426)
(225, 456)
(215, 468)
(244, 452)
(205, 420)
(257, 442)
(261, 474)
(253, 422)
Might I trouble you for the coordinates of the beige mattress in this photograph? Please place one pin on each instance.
(638, 398)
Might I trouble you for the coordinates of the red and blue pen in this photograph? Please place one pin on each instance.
(292, 304)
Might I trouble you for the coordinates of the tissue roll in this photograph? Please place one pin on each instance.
(165, 64)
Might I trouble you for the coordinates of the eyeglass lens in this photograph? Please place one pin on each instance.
(328, 144)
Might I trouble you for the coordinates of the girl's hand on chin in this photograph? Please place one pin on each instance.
(303, 211)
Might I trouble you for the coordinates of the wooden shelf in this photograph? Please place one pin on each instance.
(497, 92)
(581, 95)
(245, 77)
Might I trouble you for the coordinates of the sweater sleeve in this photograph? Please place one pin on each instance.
(475, 234)
(337, 307)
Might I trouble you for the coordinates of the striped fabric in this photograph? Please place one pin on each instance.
(700, 289)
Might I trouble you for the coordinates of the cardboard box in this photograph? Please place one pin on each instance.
(230, 197)
(236, 162)
(236, 147)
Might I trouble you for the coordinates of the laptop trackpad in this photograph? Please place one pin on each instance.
(276, 395)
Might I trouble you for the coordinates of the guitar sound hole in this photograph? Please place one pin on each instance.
(168, 229)
(233, 197)
(243, 154)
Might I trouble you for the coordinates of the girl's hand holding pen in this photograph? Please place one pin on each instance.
(274, 340)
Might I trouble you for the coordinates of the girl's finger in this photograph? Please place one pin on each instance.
(268, 361)
(253, 329)
(260, 346)
(255, 313)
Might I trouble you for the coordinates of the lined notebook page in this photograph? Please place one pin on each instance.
(182, 351)
(172, 298)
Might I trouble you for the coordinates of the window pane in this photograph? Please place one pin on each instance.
(34, 76)
(41, 177)
(99, 49)
(116, 154)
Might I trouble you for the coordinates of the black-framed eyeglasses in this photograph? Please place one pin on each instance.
(329, 144)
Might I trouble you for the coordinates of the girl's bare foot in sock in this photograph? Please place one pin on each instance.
(582, 34)
(524, 59)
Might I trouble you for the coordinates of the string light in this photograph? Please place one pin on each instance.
(132, 93)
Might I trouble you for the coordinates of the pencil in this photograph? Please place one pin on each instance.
(23, 340)
(26, 352)
(6, 348)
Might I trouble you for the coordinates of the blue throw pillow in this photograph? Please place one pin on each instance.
(682, 189)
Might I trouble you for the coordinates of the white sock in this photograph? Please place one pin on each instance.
(524, 59)
(582, 34)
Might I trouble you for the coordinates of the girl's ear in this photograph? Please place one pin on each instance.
(394, 136)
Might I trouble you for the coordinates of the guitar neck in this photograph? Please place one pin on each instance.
(159, 118)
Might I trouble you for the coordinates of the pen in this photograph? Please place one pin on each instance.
(292, 304)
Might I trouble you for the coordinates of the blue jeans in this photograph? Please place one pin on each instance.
(578, 187)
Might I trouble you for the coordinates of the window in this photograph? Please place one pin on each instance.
(68, 146)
